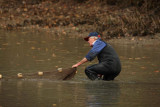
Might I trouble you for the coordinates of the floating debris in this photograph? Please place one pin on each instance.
(54, 105)
(59, 69)
(33, 48)
(40, 73)
(130, 58)
(0, 76)
(143, 67)
(19, 75)
(137, 58)
(18, 43)
(53, 55)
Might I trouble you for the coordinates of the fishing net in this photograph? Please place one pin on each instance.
(59, 74)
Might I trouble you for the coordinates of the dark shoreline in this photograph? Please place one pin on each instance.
(146, 41)
(112, 19)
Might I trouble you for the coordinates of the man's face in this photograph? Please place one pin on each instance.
(90, 41)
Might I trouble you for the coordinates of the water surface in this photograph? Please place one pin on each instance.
(28, 52)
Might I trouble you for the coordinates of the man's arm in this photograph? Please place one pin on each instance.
(80, 62)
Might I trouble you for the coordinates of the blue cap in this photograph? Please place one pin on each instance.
(91, 34)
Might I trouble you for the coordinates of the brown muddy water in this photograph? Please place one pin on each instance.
(138, 85)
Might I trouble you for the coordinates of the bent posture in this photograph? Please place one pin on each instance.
(109, 65)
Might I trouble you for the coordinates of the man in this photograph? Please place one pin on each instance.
(109, 65)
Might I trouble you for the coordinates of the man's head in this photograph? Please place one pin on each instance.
(92, 34)
(92, 37)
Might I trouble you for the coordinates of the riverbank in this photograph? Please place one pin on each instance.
(110, 18)
(148, 41)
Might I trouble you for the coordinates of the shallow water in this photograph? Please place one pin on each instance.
(137, 85)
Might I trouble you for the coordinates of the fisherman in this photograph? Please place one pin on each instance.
(109, 65)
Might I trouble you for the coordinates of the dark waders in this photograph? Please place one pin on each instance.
(109, 65)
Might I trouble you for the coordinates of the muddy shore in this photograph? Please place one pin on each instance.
(146, 41)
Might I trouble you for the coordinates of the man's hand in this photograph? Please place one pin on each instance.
(79, 63)
(75, 66)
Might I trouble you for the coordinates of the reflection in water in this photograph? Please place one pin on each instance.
(45, 93)
(23, 52)
(72, 94)
(102, 94)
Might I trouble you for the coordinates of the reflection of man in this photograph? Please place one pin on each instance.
(109, 64)
(102, 94)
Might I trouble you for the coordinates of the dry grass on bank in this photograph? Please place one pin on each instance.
(111, 18)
